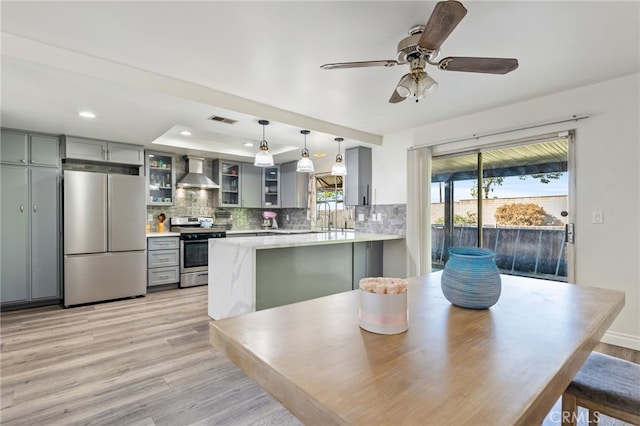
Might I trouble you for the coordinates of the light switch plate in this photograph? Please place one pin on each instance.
(597, 217)
(360, 217)
(379, 217)
(150, 217)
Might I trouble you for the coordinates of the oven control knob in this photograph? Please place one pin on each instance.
(188, 237)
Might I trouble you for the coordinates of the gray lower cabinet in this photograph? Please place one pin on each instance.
(30, 255)
(367, 260)
(163, 260)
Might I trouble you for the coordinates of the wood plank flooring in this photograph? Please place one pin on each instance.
(141, 362)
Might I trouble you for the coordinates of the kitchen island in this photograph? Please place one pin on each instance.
(248, 274)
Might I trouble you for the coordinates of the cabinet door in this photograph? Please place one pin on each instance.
(14, 211)
(44, 233)
(85, 149)
(293, 186)
(358, 180)
(230, 183)
(13, 147)
(44, 150)
(161, 179)
(125, 154)
(271, 183)
(251, 184)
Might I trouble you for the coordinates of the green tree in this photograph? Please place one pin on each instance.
(544, 177)
(487, 184)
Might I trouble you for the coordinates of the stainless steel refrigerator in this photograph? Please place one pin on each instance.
(104, 237)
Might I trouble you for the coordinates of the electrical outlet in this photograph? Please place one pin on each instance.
(597, 217)
(360, 217)
(287, 218)
(373, 217)
(150, 217)
(379, 217)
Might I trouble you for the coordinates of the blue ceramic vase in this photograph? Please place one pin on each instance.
(471, 278)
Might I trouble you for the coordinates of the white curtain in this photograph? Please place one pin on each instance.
(418, 211)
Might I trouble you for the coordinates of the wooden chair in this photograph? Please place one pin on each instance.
(604, 385)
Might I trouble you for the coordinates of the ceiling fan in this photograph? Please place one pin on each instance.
(422, 47)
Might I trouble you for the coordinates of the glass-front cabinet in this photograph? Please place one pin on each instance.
(161, 178)
(271, 184)
(227, 174)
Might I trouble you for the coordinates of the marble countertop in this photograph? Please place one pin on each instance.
(274, 231)
(162, 234)
(307, 239)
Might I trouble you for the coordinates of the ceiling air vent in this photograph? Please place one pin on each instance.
(223, 119)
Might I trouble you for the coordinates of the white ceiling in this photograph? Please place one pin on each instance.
(150, 69)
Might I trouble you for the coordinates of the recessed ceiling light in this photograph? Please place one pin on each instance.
(86, 114)
(248, 144)
(185, 133)
(319, 154)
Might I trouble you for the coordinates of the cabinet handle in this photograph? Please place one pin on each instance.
(35, 208)
(33, 161)
(21, 208)
(108, 155)
(163, 277)
(22, 160)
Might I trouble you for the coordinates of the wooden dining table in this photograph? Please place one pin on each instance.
(504, 365)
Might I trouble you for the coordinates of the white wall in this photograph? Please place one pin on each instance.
(607, 178)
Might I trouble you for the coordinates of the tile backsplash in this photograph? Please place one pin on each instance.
(393, 219)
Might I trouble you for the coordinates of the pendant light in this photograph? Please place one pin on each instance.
(263, 157)
(305, 165)
(339, 169)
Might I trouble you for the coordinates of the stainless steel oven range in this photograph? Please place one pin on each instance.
(194, 247)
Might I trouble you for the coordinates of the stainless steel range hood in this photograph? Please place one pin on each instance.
(195, 177)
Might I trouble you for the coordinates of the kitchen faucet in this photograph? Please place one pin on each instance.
(328, 216)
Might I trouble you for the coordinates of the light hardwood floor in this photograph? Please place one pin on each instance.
(144, 361)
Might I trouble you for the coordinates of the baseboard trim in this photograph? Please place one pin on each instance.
(621, 339)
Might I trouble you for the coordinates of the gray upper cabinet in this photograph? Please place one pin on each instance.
(228, 175)
(103, 151)
(358, 179)
(294, 186)
(271, 195)
(29, 149)
(251, 186)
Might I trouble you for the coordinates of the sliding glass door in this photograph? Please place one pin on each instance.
(513, 200)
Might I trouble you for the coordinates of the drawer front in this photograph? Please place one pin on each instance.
(160, 276)
(163, 243)
(161, 258)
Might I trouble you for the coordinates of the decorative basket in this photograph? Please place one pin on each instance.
(471, 278)
(383, 313)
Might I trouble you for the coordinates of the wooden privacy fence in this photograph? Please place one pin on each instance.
(528, 251)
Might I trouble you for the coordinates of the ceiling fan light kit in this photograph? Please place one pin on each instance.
(305, 165)
(339, 168)
(422, 47)
(263, 157)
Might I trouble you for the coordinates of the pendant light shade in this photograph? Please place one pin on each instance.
(263, 157)
(339, 169)
(305, 165)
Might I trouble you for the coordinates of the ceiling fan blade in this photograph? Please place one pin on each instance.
(395, 98)
(361, 64)
(444, 18)
(485, 65)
